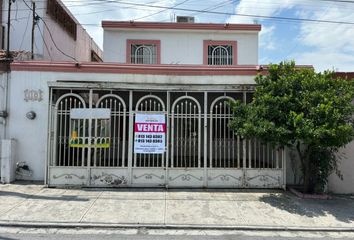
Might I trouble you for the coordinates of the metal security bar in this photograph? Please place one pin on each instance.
(144, 54)
(115, 155)
(186, 133)
(220, 55)
(63, 154)
(202, 150)
(225, 148)
(263, 155)
(149, 103)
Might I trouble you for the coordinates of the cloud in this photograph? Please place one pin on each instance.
(325, 46)
(326, 60)
(328, 45)
(259, 8)
(266, 38)
(92, 14)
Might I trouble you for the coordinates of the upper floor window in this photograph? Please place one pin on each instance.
(143, 51)
(220, 53)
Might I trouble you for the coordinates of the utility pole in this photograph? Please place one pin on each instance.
(34, 21)
(8, 29)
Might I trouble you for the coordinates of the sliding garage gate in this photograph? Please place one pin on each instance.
(200, 151)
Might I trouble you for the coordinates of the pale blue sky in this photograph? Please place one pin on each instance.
(324, 45)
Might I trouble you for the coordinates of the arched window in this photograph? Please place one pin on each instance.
(143, 51)
(220, 52)
(143, 54)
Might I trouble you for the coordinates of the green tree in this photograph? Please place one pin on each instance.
(297, 107)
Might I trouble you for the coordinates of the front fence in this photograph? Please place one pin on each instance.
(201, 150)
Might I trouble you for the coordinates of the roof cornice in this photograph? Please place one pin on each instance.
(181, 26)
(114, 68)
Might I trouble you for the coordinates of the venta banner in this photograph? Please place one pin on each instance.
(149, 133)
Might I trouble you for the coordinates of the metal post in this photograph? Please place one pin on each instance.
(49, 147)
(89, 141)
(33, 26)
(8, 29)
(205, 139)
(130, 139)
(167, 140)
(244, 142)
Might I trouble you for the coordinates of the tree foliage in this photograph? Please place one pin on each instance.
(300, 108)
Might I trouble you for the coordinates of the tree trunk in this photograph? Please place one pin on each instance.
(307, 172)
(308, 185)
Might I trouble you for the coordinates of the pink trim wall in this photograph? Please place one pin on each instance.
(143, 41)
(161, 69)
(190, 26)
(207, 43)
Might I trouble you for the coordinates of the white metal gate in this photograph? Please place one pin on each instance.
(149, 169)
(186, 168)
(201, 150)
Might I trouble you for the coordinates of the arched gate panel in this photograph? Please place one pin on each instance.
(186, 167)
(148, 169)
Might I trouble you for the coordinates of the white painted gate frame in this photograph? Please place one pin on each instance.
(129, 172)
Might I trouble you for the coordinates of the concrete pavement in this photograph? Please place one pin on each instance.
(35, 205)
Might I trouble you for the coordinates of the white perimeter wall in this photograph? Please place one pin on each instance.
(31, 135)
(180, 46)
(2, 103)
(346, 167)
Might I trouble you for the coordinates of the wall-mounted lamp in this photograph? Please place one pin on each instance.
(31, 115)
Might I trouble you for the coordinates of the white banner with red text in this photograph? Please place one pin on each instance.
(149, 133)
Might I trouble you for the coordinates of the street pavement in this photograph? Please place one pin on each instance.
(36, 206)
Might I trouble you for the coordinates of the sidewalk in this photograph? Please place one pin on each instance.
(36, 205)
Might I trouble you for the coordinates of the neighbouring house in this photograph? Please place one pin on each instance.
(155, 113)
(56, 36)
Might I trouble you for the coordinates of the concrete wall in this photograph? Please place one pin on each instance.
(20, 38)
(346, 167)
(31, 135)
(2, 103)
(180, 46)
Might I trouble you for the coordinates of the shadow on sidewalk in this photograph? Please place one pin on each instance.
(40, 197)
(340, 208)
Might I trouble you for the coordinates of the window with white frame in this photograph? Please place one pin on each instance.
(220, 55)
(143, 54)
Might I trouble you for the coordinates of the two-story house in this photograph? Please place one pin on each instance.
(46, 30)
(154, 114)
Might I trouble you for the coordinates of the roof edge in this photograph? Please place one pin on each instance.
(185, 26)
(161, 69)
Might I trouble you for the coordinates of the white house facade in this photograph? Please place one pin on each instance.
(154, 114)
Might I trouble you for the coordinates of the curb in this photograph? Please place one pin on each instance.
(309, 196)
(62, 225)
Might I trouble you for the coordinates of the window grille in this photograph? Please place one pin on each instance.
(220, 55)
(143, 54)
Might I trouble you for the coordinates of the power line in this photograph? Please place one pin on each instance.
(231, 14)
(45, 44)
(153, 14)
